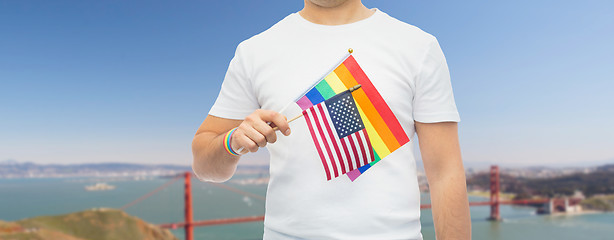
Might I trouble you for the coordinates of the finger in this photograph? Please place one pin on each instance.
(242, 151)
(244, 144)
(266, 131)
(234, 142)
(255, 136)
(278, 120)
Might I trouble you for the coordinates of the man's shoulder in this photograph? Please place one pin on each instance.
(272, 33)
(404, 29)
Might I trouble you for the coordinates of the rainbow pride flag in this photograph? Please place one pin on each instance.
(382, 127)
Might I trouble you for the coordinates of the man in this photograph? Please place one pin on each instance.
(272, 69)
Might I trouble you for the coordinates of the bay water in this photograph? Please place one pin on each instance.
(25, 198)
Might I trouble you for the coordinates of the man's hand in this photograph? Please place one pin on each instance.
(257, 130)
(212, 162)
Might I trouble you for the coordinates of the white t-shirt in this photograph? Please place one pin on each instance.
(273, 68)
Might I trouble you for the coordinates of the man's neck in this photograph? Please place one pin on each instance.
(348, 12)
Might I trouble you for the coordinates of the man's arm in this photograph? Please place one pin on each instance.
(446, 176)
(212, 162)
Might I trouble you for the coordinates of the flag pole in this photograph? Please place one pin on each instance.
(352, 89)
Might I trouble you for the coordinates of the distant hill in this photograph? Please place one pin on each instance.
(13, 169)
(608, 168)
(598, 181)
(96, 224)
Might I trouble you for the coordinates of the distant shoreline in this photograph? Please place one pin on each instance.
(486, 194)
(583, 212)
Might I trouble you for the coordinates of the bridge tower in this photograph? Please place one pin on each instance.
(495, 215)
(187, 193)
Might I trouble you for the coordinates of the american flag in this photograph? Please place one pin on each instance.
(339, 135)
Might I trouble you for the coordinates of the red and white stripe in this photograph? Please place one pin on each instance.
(338, 156)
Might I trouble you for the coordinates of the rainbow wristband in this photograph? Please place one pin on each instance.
(227, 142)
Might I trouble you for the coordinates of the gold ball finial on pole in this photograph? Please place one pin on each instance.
(350, 50)
(354, 88)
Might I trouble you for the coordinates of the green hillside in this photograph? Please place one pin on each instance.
(95, 224)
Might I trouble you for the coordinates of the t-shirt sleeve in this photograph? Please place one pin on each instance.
(433, 100)
(236, 99)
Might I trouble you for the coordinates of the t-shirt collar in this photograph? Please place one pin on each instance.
(306, 23)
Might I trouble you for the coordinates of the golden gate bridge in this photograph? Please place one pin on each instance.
(550, 205)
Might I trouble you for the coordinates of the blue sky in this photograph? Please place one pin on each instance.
(131, 81)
